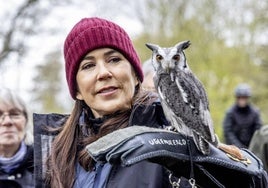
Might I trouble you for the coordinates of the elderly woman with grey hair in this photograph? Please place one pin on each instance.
(16, 152)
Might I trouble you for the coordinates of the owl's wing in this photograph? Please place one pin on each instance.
(204, 105)
(196, 98)
(191, 84)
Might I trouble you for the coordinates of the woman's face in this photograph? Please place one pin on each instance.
(106, 81)
(12, 126)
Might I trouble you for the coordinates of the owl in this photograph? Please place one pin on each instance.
(182, 95)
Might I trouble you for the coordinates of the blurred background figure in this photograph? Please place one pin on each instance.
(259, 145)
(16, 153)
(148, 71)
(242, 119)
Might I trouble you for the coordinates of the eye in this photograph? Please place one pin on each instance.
(15, 113)
(114, 60)
(87, 66)
(176, 57)
(159, 58)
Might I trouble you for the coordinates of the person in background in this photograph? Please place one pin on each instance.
(242, 119)
(148, 71)
(16, 151)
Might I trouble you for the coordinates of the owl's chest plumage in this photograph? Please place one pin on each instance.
(170, 93)
(183, 99)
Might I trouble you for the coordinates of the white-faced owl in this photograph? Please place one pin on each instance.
(182, 95)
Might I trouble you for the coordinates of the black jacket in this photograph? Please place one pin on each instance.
(240, 124)
(143, 175)
(23, 176)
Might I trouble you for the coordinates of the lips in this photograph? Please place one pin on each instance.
(105, 90)
(7, 132)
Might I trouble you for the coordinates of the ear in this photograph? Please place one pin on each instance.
(183, 45)
(79, 96)
(136, 80)
(152, 47)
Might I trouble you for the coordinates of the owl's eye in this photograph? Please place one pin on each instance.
(176, 57)
(159, 58)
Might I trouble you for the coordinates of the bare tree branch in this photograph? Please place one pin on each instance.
(8, 47)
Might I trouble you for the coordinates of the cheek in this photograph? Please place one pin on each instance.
(84, 86)
(22, 127)
(130, 83)
(132, 87)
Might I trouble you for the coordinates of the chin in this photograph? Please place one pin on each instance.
(115, 108)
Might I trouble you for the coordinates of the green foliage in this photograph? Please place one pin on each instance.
(47, 84)
(219, 67)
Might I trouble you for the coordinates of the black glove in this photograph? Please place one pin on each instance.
(179, 155)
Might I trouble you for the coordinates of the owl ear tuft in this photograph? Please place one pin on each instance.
(183, 45)
(152, 47)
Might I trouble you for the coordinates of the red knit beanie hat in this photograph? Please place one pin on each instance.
(92, 33)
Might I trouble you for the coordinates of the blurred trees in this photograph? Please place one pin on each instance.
(229, 43)
(20, 23)
(25, 34)
(257, 48)
(225, 45)
(48, 84)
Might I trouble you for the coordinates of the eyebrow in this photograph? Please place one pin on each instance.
(110, 52)
(105, 54)
(11, 110)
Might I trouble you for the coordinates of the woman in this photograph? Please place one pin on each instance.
(16, 153)
(104, 76)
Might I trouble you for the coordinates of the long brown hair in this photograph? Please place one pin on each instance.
(65, 148)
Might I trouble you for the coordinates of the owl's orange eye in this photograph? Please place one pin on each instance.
(159, 58)
(176, 57)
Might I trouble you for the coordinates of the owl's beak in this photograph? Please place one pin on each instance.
(168, 69)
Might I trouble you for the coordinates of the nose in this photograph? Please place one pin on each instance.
(6, 120)
(103, 71)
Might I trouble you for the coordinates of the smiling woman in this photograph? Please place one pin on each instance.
(16, 156)
(104, 78)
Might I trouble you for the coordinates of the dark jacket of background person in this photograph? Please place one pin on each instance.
(259, 145)
(22, 177)
(240, 125)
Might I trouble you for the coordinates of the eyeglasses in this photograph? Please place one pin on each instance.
(14, 116)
